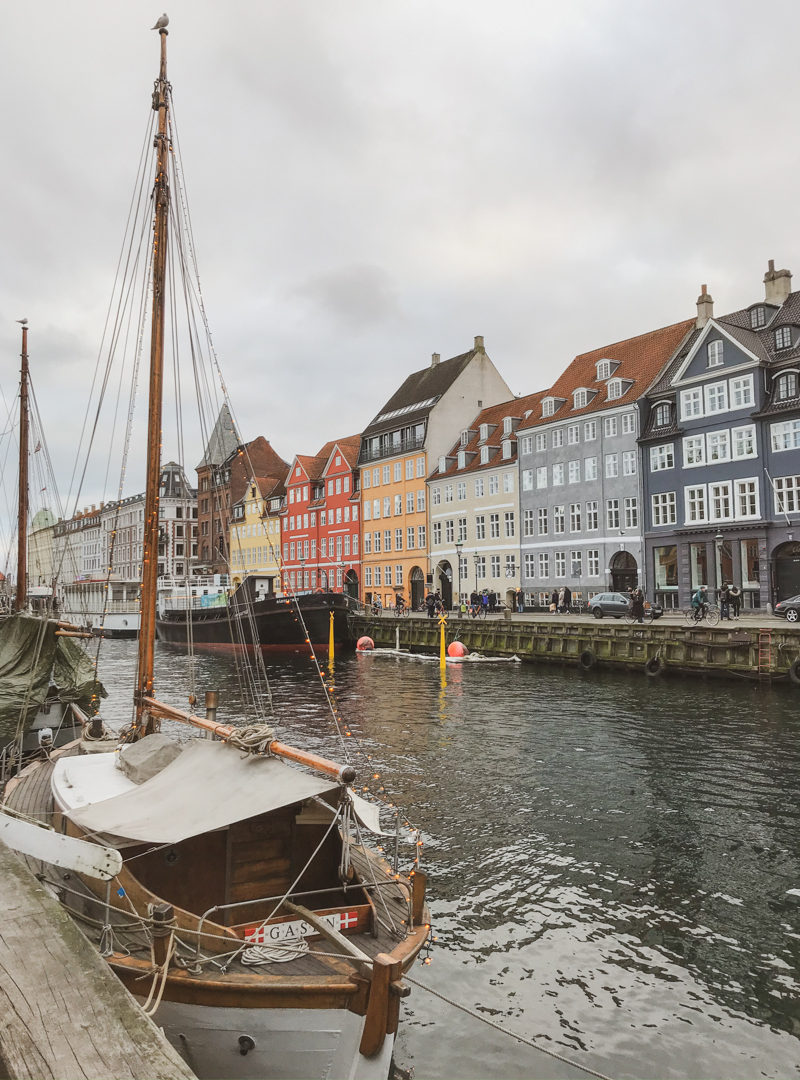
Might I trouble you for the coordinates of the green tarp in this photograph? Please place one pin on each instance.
(35, 666)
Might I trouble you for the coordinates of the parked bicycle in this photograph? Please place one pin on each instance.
(705, 613)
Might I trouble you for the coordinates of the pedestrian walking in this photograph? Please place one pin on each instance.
(637, 604)
(725, 601)
(736, 600)
(520, 600)
(430, 604)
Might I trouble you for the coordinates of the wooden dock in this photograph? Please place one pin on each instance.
(63, 1014)
(665, 647)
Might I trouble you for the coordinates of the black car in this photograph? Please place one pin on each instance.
(788, 609)
(617, 605)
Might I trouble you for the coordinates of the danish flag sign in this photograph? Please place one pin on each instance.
(298, 928)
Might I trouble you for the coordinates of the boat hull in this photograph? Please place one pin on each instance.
(289, 1044)
(271, 623)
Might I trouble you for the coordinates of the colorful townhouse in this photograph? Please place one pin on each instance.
(581, 488)
(321, 519)
(474, 506)
(255, 534)
(721, 454)
(414, 428)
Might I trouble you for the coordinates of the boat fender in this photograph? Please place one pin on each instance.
(587, 659)
(794, 672)
(365, 644)
(654, 667)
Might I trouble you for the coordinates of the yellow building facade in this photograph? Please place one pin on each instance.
(255, 535)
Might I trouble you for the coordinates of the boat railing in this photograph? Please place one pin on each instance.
(75, 610)
(201, 581)
(183, 602)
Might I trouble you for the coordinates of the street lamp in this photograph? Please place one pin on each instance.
(459, 546)
(477, 559)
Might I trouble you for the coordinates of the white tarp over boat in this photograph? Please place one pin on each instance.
(208, 786)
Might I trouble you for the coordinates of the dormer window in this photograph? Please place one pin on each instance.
(507, 425)
(484, 432)
(462, 459)
(464, 438)
(442, 464)
(603, 370)
(663, 414)
(484, 455)
(548, 406)
(783, 337)
(714, 354)
(579, 399)
(506, 448)
(758, 317)
(786, 386)
(615, 389)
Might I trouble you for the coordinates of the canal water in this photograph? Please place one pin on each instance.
(610, 857)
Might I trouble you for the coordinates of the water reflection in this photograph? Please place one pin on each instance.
(609, 857)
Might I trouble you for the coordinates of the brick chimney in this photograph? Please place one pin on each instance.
(435, 358)
(777, 284)
(479, 343)
(705, 307)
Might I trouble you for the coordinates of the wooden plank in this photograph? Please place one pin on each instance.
(63, 1014)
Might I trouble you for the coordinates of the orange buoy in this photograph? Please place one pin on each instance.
(365, 644)
(457, 648)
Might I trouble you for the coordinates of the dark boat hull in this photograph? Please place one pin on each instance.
(271, 623)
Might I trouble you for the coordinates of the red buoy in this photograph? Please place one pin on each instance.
(457, 648)
(365, 644)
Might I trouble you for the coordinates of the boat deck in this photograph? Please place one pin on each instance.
(30, 795)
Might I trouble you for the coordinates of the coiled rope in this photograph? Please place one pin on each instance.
(505, 1031)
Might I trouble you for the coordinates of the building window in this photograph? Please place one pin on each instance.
(541, 477)
(509, 523)
(742, 392)
(603, 369)
(631, 507)
(694, 451)
(785, 436)
(610, 426)
(629, 463)
(579, 399)
(558, 519)
(541, 441)
(787, 494)
(719, 448)
(526, 445)
(695, 504)
(409, 468)
(421, 541)
(573, 434)
(436, 496)
(576, 564)
(590, 468)
(410, 537)
(612, 466)
(479, 487)
(720, 501)
(614, 390)
(575, 517)
(494, 484)
(494, 526)
(783, 337)
(758, 317)
(398, 540)
(527, 523)
(785, 386)
(592, 515)
(508, 482)
(663, 508)
(744, 442)
(527, 479)
(747, 498)
(691, 403)
(662, 457)
(663, 414)
(716, 398)
(612, 513)
(461, 490)
(449, 531)
(542, 516)
(628, 423)
(437, 532)
(560, 563)
(593, 562)
(462, 529)
(544, 564)
(714, 354)
(557, 438)
(495, 562)
(480, 567)
(590, 431)
(558, 474)
(480, 527)
(530, 564)
(448, 493)
(574, 472)
(548, 406)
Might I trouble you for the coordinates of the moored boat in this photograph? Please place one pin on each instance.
(207, 612)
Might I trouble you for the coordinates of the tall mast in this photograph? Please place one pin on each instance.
(147, 635)
(22, 519)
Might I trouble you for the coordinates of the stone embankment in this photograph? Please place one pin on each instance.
(748, 648)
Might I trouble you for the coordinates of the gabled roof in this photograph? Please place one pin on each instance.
(416, 397)
(312, 466)
(223, 440)
(639, 360)
(349, 448)
(494, 416)
(255, 458)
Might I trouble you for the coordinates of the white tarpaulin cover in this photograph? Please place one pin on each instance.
(209, 785)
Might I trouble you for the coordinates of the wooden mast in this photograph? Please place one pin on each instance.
(21, 594)
(147, 634)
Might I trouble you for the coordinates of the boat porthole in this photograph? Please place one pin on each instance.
(587, 659)
(794, 672)
(654, 667)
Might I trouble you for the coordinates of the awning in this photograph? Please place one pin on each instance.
(208, 786)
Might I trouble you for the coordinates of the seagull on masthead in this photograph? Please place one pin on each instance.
(162, 22)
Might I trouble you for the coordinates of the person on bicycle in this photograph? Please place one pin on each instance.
(637, 604)
(376, 606)
(700, 602)
(399, 605)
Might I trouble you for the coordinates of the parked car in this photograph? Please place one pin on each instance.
(617, 604)
(788, 609)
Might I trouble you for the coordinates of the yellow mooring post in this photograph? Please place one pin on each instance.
(330, 641)
(442, 653)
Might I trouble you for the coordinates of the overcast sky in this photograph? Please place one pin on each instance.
(372, 181)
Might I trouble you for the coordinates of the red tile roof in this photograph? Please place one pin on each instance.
(494, 416)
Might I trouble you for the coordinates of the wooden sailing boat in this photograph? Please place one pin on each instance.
(47, 683)
(228, 884)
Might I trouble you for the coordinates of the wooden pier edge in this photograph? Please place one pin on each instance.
(63, 1014)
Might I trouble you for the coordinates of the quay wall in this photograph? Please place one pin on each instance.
(661, 648)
